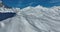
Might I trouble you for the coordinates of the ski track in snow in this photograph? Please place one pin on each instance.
(32, 19)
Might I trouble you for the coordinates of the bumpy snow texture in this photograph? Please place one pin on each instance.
(32, 19)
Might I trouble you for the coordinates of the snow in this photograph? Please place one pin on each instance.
(32, 19)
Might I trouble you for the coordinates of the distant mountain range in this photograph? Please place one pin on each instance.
(31, 19)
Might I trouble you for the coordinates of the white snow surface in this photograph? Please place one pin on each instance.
(32, 19)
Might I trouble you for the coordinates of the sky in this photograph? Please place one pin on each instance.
(25, 3)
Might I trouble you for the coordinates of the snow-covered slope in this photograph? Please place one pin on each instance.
(32, 19)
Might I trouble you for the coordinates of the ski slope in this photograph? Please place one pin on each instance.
(32, 19)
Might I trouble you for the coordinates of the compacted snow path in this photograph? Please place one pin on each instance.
(32, 19)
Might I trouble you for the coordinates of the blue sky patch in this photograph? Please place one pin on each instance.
(25, 3)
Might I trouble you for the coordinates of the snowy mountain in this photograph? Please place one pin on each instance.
(32, 19)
